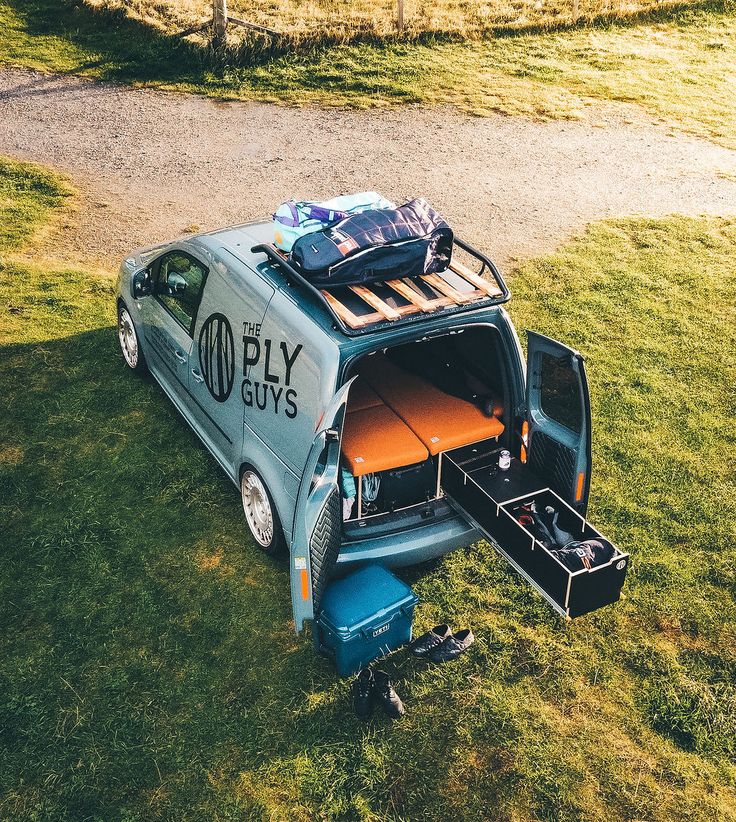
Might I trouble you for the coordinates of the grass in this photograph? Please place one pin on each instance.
(148, 668)
(28, 198)
(319, 22)
(679, 68)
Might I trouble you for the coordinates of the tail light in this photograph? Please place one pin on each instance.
(524, 440)
(579, 487)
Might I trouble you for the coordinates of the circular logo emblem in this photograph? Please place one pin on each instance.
(217, 356)
(621, 565)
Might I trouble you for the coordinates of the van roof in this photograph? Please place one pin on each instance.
(361, 309)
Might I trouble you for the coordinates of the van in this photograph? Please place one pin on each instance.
(365, 424)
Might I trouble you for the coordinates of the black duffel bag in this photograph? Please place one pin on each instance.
(586, 554)
(378, 244)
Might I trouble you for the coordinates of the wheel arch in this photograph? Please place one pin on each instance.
(273, 478)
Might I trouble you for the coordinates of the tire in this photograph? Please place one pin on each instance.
(261, 516)
(129, 343)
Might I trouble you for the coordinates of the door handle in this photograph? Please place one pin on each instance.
(197, 376)
(179, 356)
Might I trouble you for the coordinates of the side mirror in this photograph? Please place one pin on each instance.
(176, 284)
(141, 284)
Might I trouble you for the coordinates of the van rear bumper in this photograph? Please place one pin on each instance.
(411, 546)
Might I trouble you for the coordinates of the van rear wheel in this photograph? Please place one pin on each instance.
(260, 514)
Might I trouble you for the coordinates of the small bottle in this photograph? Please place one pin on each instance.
(504, 461)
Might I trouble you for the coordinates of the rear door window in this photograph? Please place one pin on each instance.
(560, 392)
(179, 284)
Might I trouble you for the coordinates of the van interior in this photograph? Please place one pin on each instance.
(412, 403)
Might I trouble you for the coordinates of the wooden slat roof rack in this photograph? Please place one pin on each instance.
(358, 309)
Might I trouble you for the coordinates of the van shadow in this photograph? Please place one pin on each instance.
(129, 570)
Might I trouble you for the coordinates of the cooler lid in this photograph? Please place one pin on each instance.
(363, 598)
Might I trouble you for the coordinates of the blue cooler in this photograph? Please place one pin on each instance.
(365, 615)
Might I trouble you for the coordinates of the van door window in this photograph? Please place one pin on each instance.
(178, 287)
(560, 393)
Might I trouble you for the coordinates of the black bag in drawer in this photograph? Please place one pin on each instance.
(587, 554)
(401, 487)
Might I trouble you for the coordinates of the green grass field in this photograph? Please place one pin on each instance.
(678, 67)
(148, 669)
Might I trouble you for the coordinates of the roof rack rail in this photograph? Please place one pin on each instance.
(358, 309)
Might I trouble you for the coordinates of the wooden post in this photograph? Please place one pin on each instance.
(219, 20)
(575, 10)
(400, 15)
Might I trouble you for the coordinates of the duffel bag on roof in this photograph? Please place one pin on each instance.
(376, 245)
(295, 219)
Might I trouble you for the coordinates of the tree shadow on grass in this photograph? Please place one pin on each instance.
(112, 46)
(109, 44)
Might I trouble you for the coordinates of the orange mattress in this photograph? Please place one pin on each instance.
(362, 396)
(375, 439)
(440, 421)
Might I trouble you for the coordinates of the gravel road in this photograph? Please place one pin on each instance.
(152, 164)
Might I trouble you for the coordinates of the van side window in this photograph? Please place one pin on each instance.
(560, 393)
(179, 284)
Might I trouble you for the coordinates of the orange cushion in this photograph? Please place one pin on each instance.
(440, 421)
(362, 396)
(375, 439)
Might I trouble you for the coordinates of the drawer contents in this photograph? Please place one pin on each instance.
(571, 563)
(587, 554)
(574, 554)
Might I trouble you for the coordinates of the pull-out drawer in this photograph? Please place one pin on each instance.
(495, 501)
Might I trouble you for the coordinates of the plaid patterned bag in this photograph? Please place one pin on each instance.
(376, 245)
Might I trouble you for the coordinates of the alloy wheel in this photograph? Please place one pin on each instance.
(257, 507)
(128, 338)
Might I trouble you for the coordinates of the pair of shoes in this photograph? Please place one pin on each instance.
(372, 687)
(441, 645)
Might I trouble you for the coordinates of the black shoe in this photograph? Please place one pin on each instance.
(542, 532)
(363, 694)
(562, 538)
(430, 640)
(384, 693)
(453, 646)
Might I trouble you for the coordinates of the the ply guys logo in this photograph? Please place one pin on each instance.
(275, 391)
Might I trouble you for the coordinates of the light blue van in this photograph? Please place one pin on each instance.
(365, 424)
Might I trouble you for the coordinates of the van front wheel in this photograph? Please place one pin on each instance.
(260, 514)
(128, 339)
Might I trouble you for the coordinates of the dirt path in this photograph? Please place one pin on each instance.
(153, 164)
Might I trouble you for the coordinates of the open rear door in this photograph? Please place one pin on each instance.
(558, 407)
(317, 532)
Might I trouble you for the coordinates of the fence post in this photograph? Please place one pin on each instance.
(400, 15)
(575, 10)
(219, 20)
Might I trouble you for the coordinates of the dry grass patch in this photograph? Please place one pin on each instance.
(315, 22)
(11, 455)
